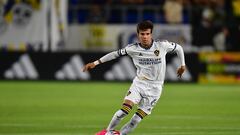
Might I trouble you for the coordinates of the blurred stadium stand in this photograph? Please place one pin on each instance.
(123, 14)
(214, 23)
(208, 18)
(78, 31)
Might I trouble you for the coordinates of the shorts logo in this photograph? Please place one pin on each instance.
(156, 52)
(129, 92)
(154, 102)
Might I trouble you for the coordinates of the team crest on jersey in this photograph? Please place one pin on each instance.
(156, 52)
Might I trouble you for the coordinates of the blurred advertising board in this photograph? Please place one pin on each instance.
(219, 67)
(104, 38)
(67, 66)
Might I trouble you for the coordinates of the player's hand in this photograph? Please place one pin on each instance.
(88, 66)
(180, 71)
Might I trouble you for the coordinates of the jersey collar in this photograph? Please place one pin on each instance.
(146, 48)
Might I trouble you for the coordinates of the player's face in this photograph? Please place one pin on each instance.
(145, 37)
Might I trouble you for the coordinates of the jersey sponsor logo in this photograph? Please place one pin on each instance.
(149, 61)
(156, 52)
(22, 69)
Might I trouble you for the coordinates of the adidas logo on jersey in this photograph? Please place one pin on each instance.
(140, 54)
(72, 70)
(22, 69)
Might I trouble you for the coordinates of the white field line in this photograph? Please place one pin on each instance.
(233, 118)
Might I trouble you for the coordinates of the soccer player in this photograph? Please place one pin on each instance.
(148, 56)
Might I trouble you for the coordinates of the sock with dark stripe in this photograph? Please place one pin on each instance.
(118, 116)
(141, 113)
(126, 108)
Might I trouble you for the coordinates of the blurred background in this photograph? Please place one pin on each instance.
(45, 43)
(53, 39)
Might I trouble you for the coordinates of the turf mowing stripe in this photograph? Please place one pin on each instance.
(237, 118)
(97, 126)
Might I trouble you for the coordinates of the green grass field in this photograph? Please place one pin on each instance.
(62, 108)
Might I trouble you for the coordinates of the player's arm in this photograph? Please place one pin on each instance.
(108, 57)
(180, 54)
(173, 47)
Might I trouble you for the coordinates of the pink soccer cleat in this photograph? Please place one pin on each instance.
(114, 132)
(105, 132)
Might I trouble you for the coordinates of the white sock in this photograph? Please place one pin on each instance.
(117, 117)
(132, 124)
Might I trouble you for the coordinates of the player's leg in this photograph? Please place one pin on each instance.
(132, 124)
(145, 107)
(132, 97)
(120, 114)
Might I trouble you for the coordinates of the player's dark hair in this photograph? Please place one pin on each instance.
(144, 25)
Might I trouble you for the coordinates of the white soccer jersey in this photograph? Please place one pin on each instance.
(150, 63)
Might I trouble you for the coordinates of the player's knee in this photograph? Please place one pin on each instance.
(126, 108)
(141, 113)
